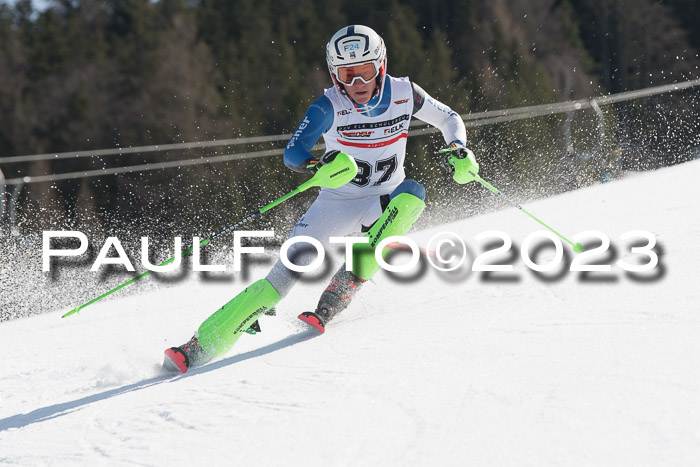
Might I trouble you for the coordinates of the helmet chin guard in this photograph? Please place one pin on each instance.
(356, 46)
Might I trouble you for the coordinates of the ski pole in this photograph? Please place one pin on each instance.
(331, 175)
(578, 247)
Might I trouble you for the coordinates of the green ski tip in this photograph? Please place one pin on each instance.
(74, 310)
(578, 248)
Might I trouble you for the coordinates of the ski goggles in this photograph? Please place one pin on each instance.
(366, 72)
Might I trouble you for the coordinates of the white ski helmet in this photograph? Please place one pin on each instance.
(356, 52)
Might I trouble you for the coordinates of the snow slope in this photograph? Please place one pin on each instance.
(441, 369)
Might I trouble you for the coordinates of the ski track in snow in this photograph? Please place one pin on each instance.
(448, 369)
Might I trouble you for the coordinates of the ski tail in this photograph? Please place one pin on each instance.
(175, 360)
(314, 320)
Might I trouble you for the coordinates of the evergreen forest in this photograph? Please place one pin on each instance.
(80, 75)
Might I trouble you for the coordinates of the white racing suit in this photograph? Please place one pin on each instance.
(377, 140)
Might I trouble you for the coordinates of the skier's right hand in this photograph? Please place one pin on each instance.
(327, 158)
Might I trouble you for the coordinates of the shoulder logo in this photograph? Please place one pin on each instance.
(344, 112)
(401, 101)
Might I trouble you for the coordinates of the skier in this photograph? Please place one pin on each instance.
(366, 114)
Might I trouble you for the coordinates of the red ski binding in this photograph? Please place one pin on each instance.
(312, 319)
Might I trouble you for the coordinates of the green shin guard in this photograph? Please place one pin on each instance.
(398, 217)
(221, 330)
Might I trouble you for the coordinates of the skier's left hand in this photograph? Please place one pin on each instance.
(461, 163)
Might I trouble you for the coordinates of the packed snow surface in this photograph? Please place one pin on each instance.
(460, 368)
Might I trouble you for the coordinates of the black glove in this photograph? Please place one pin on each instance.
(325, 159)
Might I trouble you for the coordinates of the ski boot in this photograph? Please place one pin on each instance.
(334, 299)
(183, 357)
